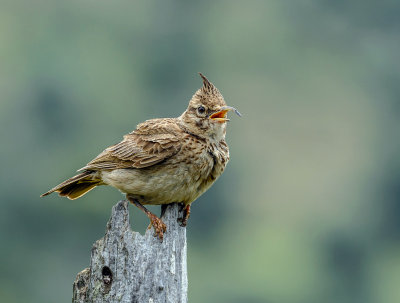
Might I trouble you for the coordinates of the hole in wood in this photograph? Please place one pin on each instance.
(80, 284)
(107, 275)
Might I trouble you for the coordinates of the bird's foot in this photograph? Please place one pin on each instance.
(159, 226)
(186, 215)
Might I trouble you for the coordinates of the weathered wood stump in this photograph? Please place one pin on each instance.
(128, 267)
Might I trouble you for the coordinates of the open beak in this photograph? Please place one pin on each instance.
(220, 116)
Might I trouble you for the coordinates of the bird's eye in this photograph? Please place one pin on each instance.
(201, 109)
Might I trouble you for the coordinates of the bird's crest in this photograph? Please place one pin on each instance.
(209, 94)
(208, 87)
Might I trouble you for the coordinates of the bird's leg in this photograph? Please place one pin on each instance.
(159, 226)
(186, 215)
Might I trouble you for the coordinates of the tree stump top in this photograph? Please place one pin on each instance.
(129, 267)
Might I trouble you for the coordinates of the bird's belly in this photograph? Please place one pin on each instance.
(155, 186)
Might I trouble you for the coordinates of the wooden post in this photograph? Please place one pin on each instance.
(128, 267)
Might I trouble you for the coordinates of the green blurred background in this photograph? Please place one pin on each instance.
(308, 208)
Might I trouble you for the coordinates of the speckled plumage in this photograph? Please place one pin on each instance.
(163, 160)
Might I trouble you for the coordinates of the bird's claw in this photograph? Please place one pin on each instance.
(183, 221)
(186, 214)
(159, 226)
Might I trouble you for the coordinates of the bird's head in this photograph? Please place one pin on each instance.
(206, 115)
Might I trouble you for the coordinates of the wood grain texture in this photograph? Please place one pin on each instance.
(129, 267)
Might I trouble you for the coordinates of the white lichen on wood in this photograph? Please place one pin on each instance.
(128, 267)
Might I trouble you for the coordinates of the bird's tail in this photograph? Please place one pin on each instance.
(77, 186)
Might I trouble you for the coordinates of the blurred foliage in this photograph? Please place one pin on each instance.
(308, 208)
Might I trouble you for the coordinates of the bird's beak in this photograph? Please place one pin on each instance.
(220, 116)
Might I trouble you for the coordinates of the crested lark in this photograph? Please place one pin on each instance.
(163, 160)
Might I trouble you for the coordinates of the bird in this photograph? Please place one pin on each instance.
(164, 160)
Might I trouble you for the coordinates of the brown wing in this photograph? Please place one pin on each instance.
(148, 145)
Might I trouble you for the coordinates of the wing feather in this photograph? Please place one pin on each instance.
(148, 145)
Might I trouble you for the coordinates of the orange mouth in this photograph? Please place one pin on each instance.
(220, 116)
